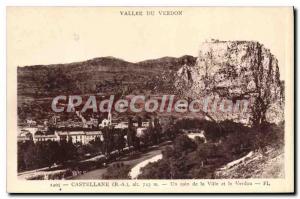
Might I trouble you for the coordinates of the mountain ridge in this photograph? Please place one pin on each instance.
(115, 59)
(101, 74)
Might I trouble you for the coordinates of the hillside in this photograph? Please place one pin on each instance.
(100, 75)
(37, 85)
(256, 165)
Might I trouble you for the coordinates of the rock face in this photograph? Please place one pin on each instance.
(236, 70)
(258, 165)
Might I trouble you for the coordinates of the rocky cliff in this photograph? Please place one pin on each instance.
(236, 70)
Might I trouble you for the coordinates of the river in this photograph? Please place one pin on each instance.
(133, 163)
(136, 170)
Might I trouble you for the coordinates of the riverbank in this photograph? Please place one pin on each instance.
(136, 170)
(126, 160)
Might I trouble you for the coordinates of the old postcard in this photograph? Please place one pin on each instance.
(150, 100)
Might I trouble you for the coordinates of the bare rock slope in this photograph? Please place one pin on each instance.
(269, 164)
(236, 70)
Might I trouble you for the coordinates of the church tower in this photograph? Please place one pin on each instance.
(109, 118)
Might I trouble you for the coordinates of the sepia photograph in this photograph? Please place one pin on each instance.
(226, 116)
(103, 94)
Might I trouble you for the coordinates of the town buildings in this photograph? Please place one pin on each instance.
(82, 132)
(83, 136)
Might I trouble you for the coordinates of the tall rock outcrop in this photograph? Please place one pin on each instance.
(236, 70)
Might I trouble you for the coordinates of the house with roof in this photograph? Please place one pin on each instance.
(78, 136)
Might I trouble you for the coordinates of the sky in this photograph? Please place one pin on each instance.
(40, 35)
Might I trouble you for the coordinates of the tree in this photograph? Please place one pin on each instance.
(131, 133)
(183, 143)
(96, 145)
(30, 157)
(139, 120)
(121, 141)
(108, 140)
(71, 153)
(51, 151)
(157, 131)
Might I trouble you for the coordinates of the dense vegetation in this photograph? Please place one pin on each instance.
(195, 159)
(117, 171)
(188, 158)
(44, 154)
